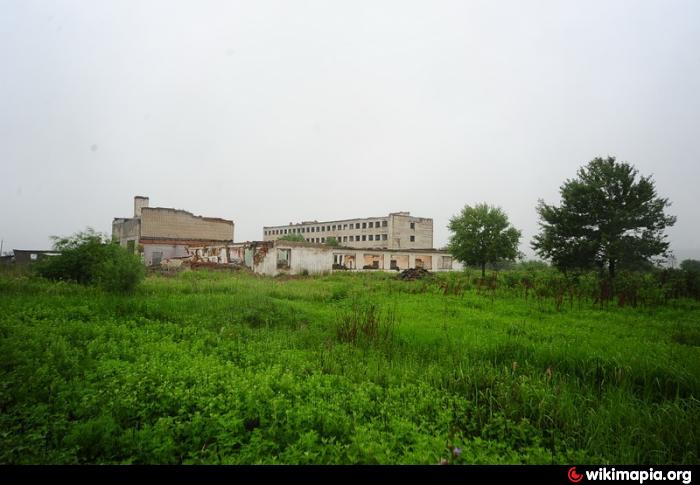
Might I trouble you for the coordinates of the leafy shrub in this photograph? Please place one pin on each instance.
(293, 237)
(90, 258)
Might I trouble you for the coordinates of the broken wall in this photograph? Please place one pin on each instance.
(157, 222)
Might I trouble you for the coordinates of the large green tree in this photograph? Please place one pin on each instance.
(608, 217)
(482, 235)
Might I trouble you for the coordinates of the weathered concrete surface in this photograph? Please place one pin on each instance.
(398, 230)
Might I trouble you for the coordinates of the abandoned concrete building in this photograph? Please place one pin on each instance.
(172, 237)
(289, 257)
(159, 233)
(398, 230)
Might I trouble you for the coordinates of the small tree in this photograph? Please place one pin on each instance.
(690, 265)
(293, 237)
(91, 258)
(607, 218)
(482, 235)
(331, 241)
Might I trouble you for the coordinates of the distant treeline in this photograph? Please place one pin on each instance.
(539, 282)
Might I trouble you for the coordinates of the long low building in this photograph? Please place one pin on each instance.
(288, 257)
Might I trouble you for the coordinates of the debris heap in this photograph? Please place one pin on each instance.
(414, 274)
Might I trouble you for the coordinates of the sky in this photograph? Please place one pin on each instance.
(270, 112)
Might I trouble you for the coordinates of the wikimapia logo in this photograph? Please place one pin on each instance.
(639, 476)
(573, 476)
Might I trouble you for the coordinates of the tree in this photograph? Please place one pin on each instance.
(690, 265)
(293, 237)
(608, 217)
(482, 235)
(91, 258)
(331, 241)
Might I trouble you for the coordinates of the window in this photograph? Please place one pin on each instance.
(352, 226)
(33, 256)
(345, 226)
(285, 231)
(413, 225)
(413, 238)
(156, 257)
(328, 228)
(383, 237)
(364, 225)
(371, 237)
(334, 228)
(323, 239)
(283, 258)
(345, 239)
(364, 238)
(130, 246)
(446, 262)
(371, 224)
(384, 223)
(376, 238)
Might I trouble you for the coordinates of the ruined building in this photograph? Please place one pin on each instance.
(398, 230)
(159, 233)
(289, 257)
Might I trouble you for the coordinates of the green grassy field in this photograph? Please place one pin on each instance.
(348, 368)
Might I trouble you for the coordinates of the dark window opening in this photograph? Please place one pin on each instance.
(283, 258)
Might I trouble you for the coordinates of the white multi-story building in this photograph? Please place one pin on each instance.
(398, 230)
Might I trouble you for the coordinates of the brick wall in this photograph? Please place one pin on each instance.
(164, 223)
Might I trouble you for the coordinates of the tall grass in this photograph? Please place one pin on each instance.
(345, 368)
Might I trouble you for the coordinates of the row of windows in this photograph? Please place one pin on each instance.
(334, 227)
(371, 237)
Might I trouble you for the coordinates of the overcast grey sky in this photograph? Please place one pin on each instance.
(267, 112)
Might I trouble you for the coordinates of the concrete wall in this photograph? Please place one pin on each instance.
(401, 232)
(320, 259)
(157, 222)
(318, 232)
(139, 204)
(166, 250)
(313, 260)
(396, 234)
(124, 230)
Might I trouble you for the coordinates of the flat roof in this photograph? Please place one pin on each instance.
(309, 223)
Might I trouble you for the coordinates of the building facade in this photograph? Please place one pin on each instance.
(398, 230)
(272, 258)
(158, 233)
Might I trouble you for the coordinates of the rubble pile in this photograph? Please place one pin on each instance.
(414, 274)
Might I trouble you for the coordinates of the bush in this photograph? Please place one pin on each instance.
(293, 237)
(90, 258)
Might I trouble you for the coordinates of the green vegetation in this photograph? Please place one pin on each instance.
(607, 218)
(482, 235)
(292, 237)
(91, 258)
(214, 367)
